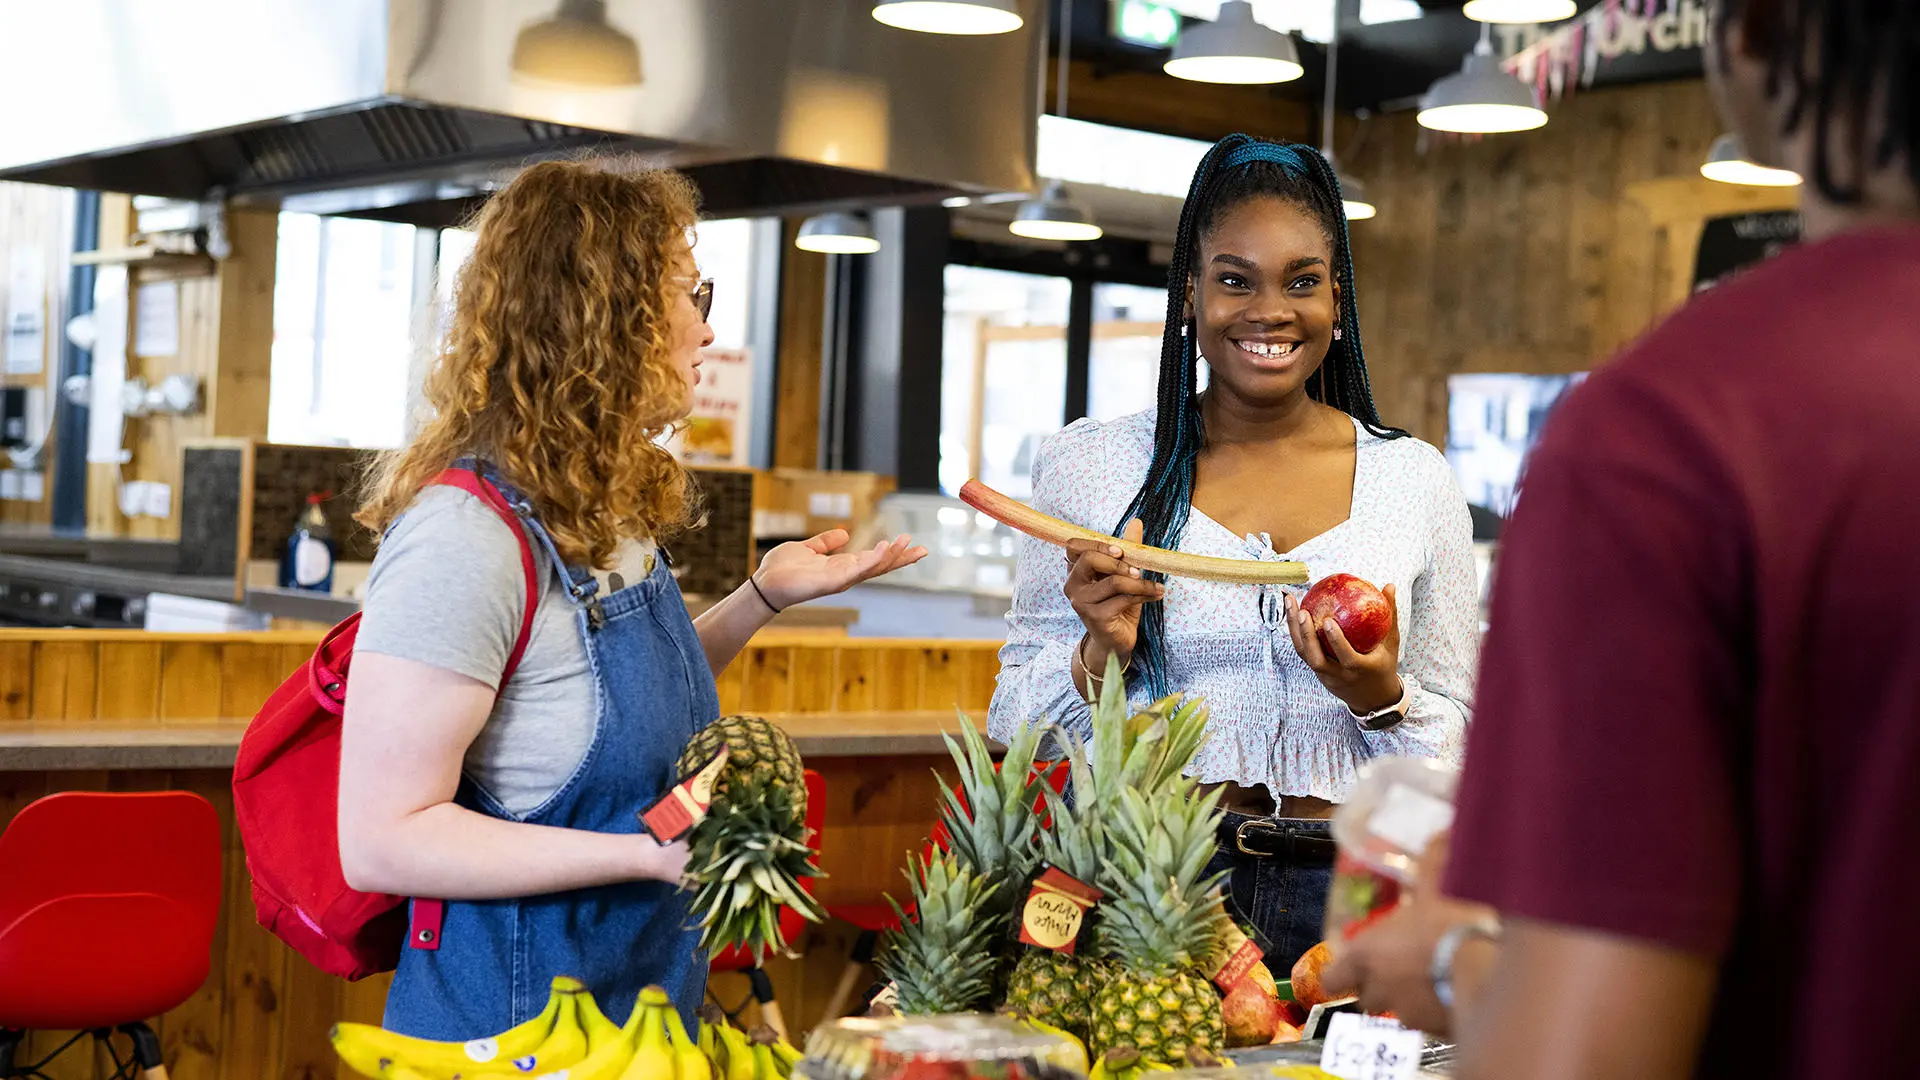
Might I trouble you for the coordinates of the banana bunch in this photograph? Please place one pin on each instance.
(572, 1039)
(1124, 1063)
(557, 1038)
(1072, 1054)
(738, 1055)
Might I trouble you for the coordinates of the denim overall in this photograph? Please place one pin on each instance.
(496, 959)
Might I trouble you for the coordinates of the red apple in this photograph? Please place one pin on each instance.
(1292, 1012)
(1360, 609)
(1251, 1014)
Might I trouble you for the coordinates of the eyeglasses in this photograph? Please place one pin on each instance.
(703, 297)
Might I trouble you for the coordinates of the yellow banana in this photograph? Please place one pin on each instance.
(599, 1027)
(739, 1053)
(609, 1058)
(652, 1056)
(689, 1062)
(375, 1052)
(763, 1068)
(786, 1056)
(1073, 1052)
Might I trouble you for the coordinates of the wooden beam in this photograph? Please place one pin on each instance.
(796, 391)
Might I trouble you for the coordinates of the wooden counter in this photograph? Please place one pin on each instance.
(211, 745)
(132, 711)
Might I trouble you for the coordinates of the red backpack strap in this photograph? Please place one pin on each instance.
(423, 931)
(476, 485)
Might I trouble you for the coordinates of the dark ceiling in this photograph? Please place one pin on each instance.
(1383, 66)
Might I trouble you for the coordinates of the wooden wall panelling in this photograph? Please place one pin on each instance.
(37, 218)
(1151, 101)
(796, 407)
(1519, 252)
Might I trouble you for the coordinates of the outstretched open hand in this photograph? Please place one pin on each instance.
(803, 570)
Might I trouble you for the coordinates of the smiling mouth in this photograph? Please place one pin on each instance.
(1269, 351)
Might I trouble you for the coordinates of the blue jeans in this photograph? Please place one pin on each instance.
(1282, 895)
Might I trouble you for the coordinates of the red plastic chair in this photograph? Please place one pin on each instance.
(108, 904)
(872, 920)
(791, 924)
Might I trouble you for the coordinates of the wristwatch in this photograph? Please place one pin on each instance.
(1382, 719)
(1448, 947)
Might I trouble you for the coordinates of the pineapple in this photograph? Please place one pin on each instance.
(756, 748)
(750, 851)
(940, 960)
(1151, 749)
(991, 825)
(1158, 924)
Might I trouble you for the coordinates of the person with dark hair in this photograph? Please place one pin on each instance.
(1282, 456)
(1683, 825)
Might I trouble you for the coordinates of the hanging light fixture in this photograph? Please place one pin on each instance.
(576, 47)
(1519, 11)
(1728, 163)
(1054, 215)
(1235, 49)
(837, 233)
(1353, 194)
(971, 17)
(1480, 98)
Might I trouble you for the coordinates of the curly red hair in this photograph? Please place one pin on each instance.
(558, 367)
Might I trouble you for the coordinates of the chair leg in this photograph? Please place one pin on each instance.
(769, 1008)
(104, 1066)
(10, 1041)
(857, 961)
(146, 1051)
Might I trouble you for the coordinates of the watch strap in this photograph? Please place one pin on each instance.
(1448, 948)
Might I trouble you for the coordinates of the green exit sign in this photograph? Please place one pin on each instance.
(1143, 22)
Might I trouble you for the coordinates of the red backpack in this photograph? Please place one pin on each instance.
(286, 796)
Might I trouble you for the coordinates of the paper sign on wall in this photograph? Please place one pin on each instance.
(156, 319)
(719, 431)
(26, 352)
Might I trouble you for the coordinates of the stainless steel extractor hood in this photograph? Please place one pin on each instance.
(412, 109)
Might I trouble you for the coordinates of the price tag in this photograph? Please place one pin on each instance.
(1237, 958)
(1370, 1048)
(686, 803)
(1408, 817)
(1056, 909)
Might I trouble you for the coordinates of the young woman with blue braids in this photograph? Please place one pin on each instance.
(1283, 456)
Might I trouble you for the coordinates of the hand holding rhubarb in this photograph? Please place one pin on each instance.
(1107, 593)
(1176, 563)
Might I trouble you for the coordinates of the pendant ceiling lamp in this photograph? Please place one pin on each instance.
(1054, 215)
(1520, 11)
(1353, 194)
(837, 233)
(1235, 49)
(1481, 98)
(970, 17)
(576, 47)
(1728, 163)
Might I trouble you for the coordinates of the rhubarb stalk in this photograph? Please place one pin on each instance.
(1025, 518)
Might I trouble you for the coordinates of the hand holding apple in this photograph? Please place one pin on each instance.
(1348, 632)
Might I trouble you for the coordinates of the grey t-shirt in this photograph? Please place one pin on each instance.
(447, 589)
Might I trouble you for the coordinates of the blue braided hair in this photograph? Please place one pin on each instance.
(1237, 168)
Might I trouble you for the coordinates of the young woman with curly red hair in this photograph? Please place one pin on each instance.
(575, 344)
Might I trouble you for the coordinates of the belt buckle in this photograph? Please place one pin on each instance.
(1240, 837)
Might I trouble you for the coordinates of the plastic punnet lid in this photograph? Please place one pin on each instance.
(892, 1047)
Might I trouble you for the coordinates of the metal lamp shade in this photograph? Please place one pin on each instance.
(1235, 49)
(576, 48)
(1520, 11)
(1354, 194)
(971, 17)
(1480, 99)
(1728, 163)
(837, 233)
(1053, 216)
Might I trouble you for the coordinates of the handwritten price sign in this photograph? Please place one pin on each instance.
(1370, 1048)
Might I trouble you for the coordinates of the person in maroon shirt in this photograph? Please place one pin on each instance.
(1693, 781)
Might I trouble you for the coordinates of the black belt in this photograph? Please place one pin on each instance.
(1265, 838)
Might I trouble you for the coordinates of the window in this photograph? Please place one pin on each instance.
(343, 309)
(1003, 375)
(346, 371)
(1492, 421)
(1123, 374)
